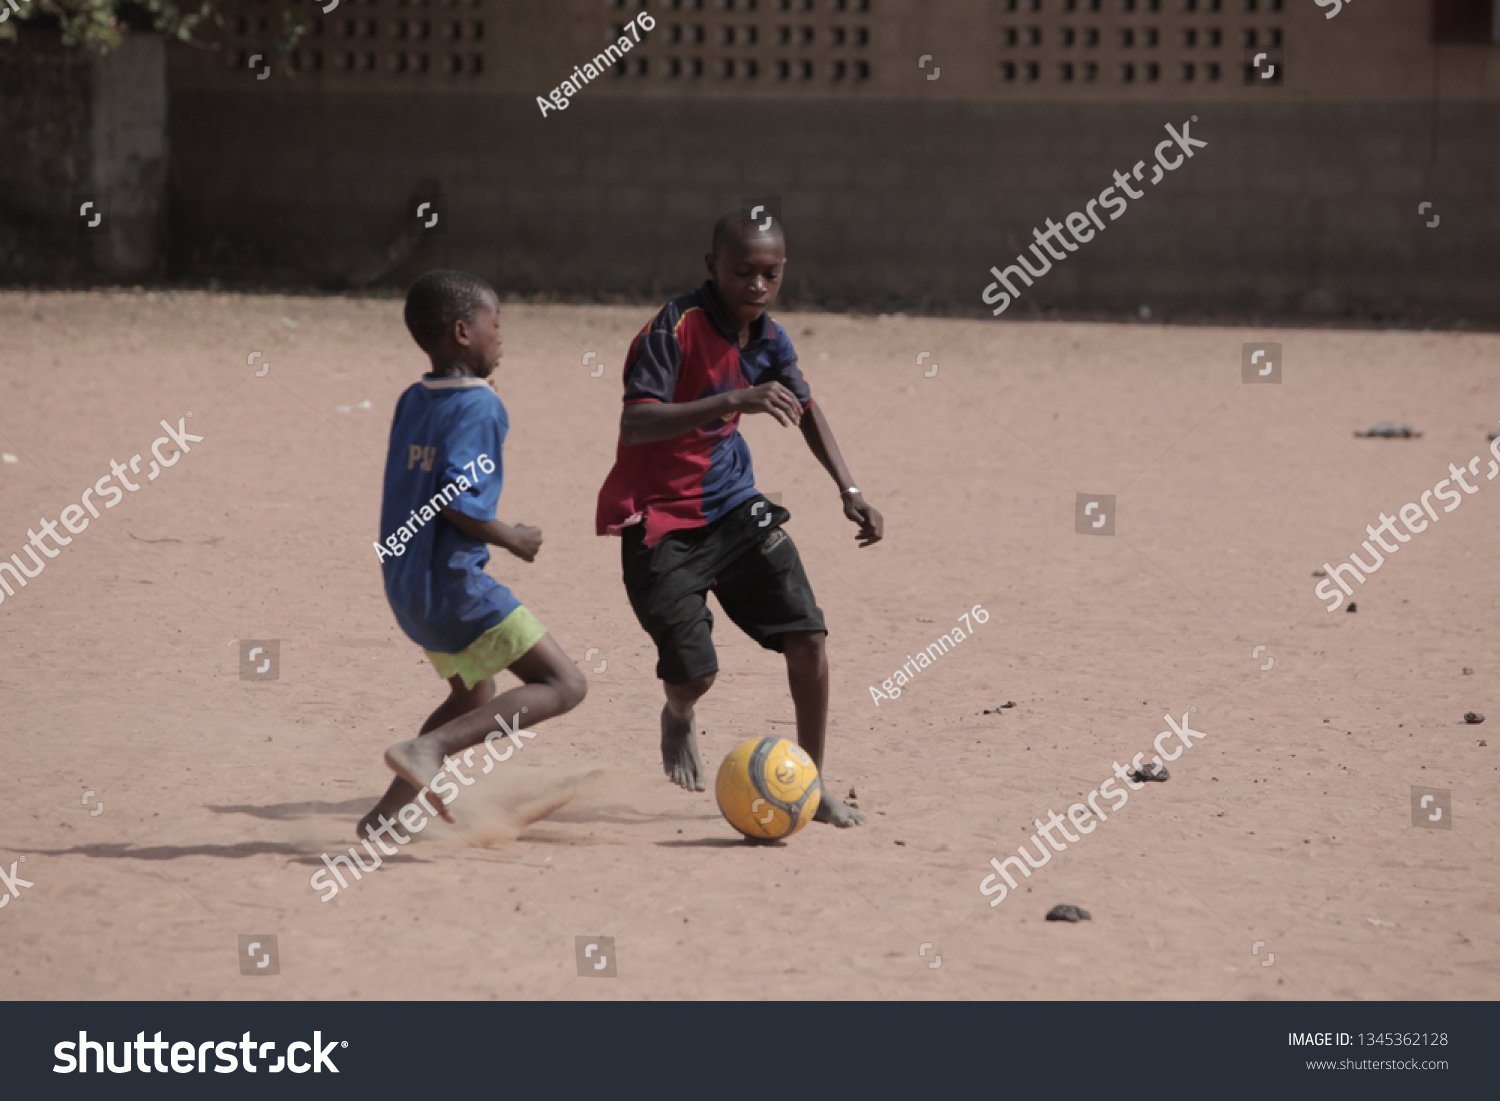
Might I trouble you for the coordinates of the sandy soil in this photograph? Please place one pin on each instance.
(1290, 824)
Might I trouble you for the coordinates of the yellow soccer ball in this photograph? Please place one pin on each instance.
(768, 788)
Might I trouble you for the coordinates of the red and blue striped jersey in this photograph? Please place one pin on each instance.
(688, 352)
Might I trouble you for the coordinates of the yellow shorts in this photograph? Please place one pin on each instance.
(496, 649)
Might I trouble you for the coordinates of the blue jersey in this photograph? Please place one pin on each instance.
(446, 440)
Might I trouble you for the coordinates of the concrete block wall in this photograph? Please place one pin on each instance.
(1292, 207)
(46, 153)
(74, 128)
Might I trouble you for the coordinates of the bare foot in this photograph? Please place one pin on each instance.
(371, 822)
(367, 824)
(836, 812)
(417, 762)
(397, 796)
(679, 751)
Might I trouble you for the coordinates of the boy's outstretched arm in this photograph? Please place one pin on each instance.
(521, 540)
(825, 449)
(650, 421)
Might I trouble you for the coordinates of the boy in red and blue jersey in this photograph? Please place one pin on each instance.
(443, 477)
(682, 494)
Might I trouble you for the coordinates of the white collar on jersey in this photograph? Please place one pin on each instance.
(454, 383)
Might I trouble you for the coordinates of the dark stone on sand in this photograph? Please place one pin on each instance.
(1386, 430)
(1068, 913)
(1151, 773)
(1473, 717)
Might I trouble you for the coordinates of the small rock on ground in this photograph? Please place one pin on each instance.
(1386, 430)
(1068, 913)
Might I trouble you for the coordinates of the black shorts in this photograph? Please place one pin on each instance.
(751, 565)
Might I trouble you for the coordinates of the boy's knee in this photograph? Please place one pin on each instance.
(574, 688)
(468, 698)
(803, 645)
(693, 690)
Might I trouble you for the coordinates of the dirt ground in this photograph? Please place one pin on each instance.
(1280, 861)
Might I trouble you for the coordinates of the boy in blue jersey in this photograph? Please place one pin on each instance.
(443, 477)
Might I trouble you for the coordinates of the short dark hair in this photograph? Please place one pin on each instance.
(737, 224)
(438, 299)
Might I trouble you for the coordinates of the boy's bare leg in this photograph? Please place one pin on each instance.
(807, 676)
(461, 700)
(551, 685)
(679, 732)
